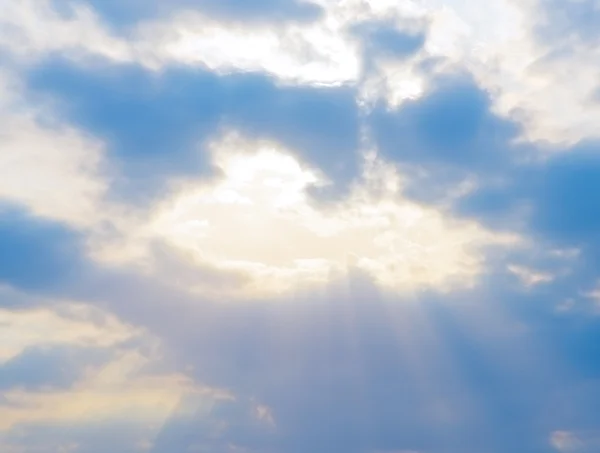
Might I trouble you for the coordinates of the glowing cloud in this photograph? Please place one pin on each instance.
(258, 219)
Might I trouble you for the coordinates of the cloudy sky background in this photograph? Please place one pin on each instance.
(288, 226)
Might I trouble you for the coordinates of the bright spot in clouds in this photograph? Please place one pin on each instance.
(258, 219)
(411, 185)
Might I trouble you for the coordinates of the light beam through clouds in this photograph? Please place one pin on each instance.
(282, 226)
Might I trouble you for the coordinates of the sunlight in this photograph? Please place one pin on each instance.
(258, 219)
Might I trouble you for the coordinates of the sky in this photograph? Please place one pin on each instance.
(299, 226)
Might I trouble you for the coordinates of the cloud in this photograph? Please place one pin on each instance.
(155, 126)
(572, 21)
(369, 375)
(541, 70)
(287, 241)
(49, 166)
(119, 15)
(333, 226)
(566, 441)
(527, 84)
(314, 53)
(97, 408)
(68, 368)
(28, 26)
(57, 324)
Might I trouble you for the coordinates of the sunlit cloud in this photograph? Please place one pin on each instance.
(56, 171)
(259, 219)
(117, 388)
(318, 53)
(281, 226)
(142, 402)
(528, 276)
(131, 386)
(65, 324)
(313, 53)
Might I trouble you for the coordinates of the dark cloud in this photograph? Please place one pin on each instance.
(157, 124)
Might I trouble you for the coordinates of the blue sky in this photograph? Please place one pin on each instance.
(290, 226)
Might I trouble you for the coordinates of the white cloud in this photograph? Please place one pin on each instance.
(548, 91)
(258, 220)
(313, 53)
(134, 385)
(118, 391)
(32, 28)
(530, 277)
(550, 94)
(57, 322)
(594, 297)
(54, 172)
(50, 168)
(68, 168)
(308, 53)
(264, 414)
(565, 441)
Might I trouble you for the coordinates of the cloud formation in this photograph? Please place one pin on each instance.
(280, 226)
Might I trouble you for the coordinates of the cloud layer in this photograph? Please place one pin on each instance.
(280, 226)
